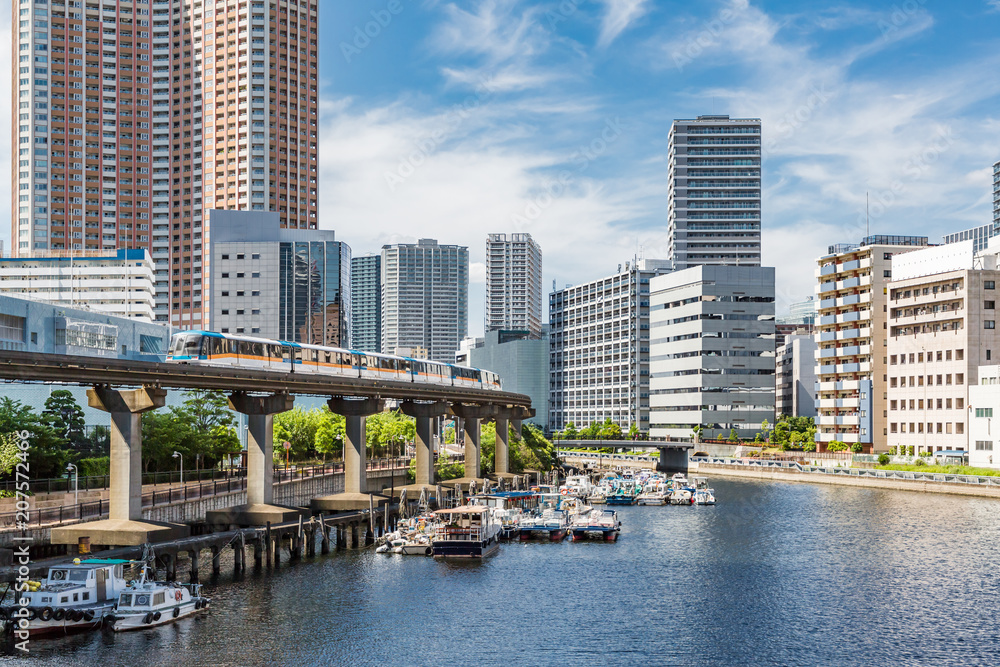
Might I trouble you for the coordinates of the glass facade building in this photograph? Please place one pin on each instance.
(366, 303)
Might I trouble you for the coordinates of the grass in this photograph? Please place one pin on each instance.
(947, 470)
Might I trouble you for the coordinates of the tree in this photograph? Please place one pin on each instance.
(733, 435)
(569, 432)
(633, 432)
(836, 446)
(163, 433)
(46, 450)
(10, 453)
(212, 423)
(297, 427)
(330, 434)
(65, 417)
(609, 430)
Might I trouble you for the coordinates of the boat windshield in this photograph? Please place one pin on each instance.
(68, 575)
(125, 600)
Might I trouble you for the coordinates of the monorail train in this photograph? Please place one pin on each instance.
(216, 349)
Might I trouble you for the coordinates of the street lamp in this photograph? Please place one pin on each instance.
(177, 455)
(76, 482)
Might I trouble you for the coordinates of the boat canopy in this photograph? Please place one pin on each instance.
(464, 509)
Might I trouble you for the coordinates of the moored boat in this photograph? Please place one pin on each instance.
(596, 523)
(703, 495)
(469, 531)
(146, 604)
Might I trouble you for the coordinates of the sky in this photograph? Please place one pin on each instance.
(455, 119)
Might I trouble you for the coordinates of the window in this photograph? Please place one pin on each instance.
(240, 256)
(225, 257)
(989, 305)
(225, 275)
(12, 328)
(989, 324)
(256, 255)
(959, 378)
(150, 344)
(892, 427)
(887, 273)
(984, 412)
(959, 355)
(984, 445)
(989, 284)
(960, 428)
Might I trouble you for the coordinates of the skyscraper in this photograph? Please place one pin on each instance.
(136, 118)
(513, 283)
(366, 303)
(714, 191)
(425, 297)
(996, 197)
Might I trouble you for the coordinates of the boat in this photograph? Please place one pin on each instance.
(578, 486)
(598, 495)
(623, 493)
(147, 604)
(469, 531)
(654, 493)
(681, 495)
(598, 523)
(509, 506)
(549, 523)
(703, 495)
(73, 597)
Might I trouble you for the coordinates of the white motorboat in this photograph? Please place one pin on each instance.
(655, 492)
(146, 604)
(601, 523)
(73, 597)
(578, 486)
(470, 531)
(703, 495)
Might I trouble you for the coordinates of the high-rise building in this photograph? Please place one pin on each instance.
(942, 328)
(711, 352)
(98, 282)
(980, 236)
(366, 302)
(278, 283)
(521, 361)
(425, 297)
(599, 349)
(135, 118)
(851, 332)
(713, 202)
(513, 283)
(996, 198)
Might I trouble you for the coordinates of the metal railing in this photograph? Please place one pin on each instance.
(974, 480)
(606, 457)
(183, 493)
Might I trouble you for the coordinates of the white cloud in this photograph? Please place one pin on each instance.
(618, 16)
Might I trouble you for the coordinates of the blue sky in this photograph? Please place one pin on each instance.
(456, 119)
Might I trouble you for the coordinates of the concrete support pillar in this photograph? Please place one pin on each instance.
(341, 536)
(516, 425)
(216, 560)
(260, 411)
(425, 414)
(126, 408)
(673, 460)
(355, 412)
(472, 447)
(501, 456)
(194, 565)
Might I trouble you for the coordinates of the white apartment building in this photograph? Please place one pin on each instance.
(711, 352)
(942, 327)
(99, 282)
(795, 376)
(713, 200)
(513, 283)
(851, 336)
(599, 349)
(425, 297)
(984, 408)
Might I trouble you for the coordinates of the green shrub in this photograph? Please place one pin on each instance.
(883, 459)
(925, 455)
(919, 462)
(909, 450)
(94, 467)
(857, 447)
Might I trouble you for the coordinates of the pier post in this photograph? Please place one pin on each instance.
(353, 536)
(268, 545)
(238, 557)
(194, 565)
(276, 547)
(216, 560)
(297, 543)
(341, 536)
(311, 541)
(425, 414)
(258, 552)
(324, 536)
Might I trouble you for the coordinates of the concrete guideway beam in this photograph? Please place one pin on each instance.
(425, 414)
(125, 525)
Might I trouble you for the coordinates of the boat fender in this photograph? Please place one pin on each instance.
(177, 612)
(45, 614)
(58, 614)
(32, 613)
(156, 616)
(73, 615)
(148, 618)
(428, 551)
(88, 615)
(197, 604)
(177, 595)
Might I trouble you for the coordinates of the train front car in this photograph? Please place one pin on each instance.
(186, 347)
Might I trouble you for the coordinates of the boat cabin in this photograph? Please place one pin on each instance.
(89, 582)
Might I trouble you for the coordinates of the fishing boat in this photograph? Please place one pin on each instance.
(469, 531)
(596, 523)
(703, 495)
(73, 597)
(623, 493)
(146, 603)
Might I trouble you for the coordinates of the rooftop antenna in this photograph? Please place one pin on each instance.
(868, 227)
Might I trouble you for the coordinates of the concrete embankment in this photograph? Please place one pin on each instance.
(785, 475)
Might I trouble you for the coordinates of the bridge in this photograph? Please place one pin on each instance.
(125, 389)
(673, 455)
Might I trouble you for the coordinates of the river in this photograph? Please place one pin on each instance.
(775, 574)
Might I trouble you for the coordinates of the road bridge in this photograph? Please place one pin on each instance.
(673, 455)
(126, 389)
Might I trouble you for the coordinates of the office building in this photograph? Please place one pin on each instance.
(599, 349)
(513, 283)
(980, 236)
(97, 282)
(425, 297)
(135, 118)
(984, 407)
(795, 375)
(711, 352)
(522, 362)
(942, 328)
(713, 200)
(273, 282)
(851, 334)
(366, 303)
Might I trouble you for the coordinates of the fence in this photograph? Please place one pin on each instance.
(975, 480)
(188, 491)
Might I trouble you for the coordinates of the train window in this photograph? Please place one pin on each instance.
(326, 357)
(403, 365)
